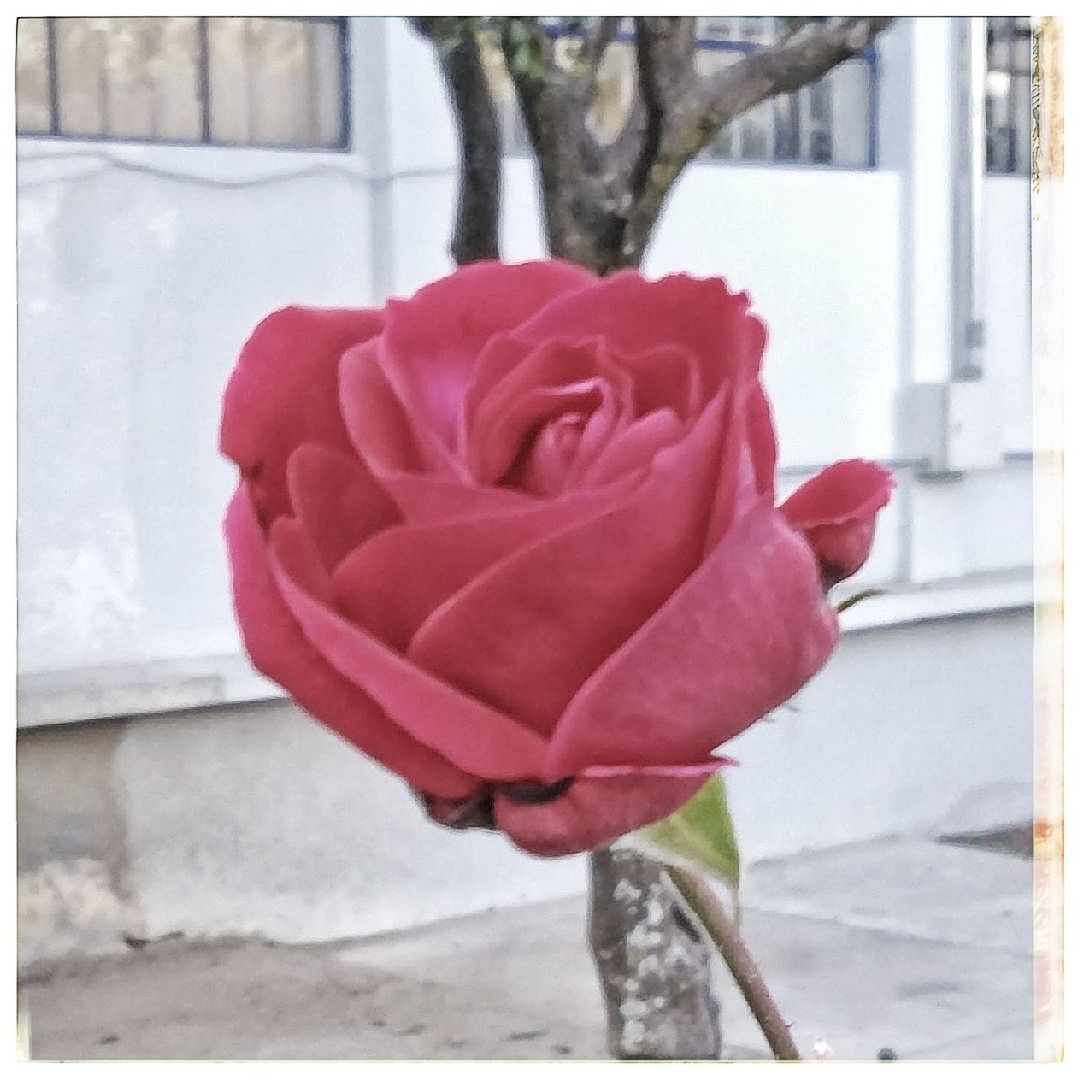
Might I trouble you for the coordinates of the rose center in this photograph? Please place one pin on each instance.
(548, 454)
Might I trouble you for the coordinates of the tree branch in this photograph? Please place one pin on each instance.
(476, 228)
(693, 121)
(665, 61)
(802, 57)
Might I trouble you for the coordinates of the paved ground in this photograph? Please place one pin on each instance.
(924, 948)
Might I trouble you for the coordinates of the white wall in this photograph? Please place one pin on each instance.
(1007, 283)
(141, 272)
(142, 269)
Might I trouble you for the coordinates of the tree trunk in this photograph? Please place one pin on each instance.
(653, 965)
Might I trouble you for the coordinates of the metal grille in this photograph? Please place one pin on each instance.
(1008, 95)
(830, 122)
(233, 81)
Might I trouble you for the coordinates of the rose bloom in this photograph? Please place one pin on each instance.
(515, 538)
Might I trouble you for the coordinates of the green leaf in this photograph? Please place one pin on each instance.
(851, 601)
(701, 834)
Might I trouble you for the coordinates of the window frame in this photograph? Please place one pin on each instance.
(206, 139)
(1020, 164)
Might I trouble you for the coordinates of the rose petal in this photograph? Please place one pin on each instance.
(746, 631)
(340, 503)
(634, 315)
(425, 499)
(431, 342)
(598, 809)
(761, 435)
(392, 583)
(284, 393)
(527, 633)
(667, 376)
(507, 370)
(281, 652)
(472, 736)
(736, 490)
(510, 431)
(635, 446)
(378, 425)
(836, 510)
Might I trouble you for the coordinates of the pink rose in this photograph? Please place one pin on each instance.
(515, 538)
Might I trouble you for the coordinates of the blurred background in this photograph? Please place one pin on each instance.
(178, 178)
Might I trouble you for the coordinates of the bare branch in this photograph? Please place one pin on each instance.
(694, 120)
(476, 229)
(800, 58)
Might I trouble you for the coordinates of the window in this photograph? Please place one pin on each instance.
(1008, 95)
(830, 122)
(224, 81)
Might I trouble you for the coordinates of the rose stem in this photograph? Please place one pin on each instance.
(695, 890)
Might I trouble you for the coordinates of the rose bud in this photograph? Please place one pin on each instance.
(836, 511)
(516, 539)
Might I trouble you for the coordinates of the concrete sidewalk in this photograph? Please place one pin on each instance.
(921, 947)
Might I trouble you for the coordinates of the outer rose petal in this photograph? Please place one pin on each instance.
(475, 738)
(836, 510)
(736, 490)
(284, 392)
(281, 652)
(599, 809)
(339, 501)
(762, 439)
(432, 341)
(741, 636)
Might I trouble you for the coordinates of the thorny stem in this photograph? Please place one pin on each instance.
(695, 890)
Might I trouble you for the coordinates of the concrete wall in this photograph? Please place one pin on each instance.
(202, 823)
(141, 271)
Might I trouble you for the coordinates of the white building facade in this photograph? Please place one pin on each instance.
(164, 786)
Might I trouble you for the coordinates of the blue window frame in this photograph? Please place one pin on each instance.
(190, 80)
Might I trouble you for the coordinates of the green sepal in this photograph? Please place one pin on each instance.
(855, 598)
(700, 835)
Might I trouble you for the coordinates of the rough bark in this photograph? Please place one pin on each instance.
(652, 963)
(582, 218)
